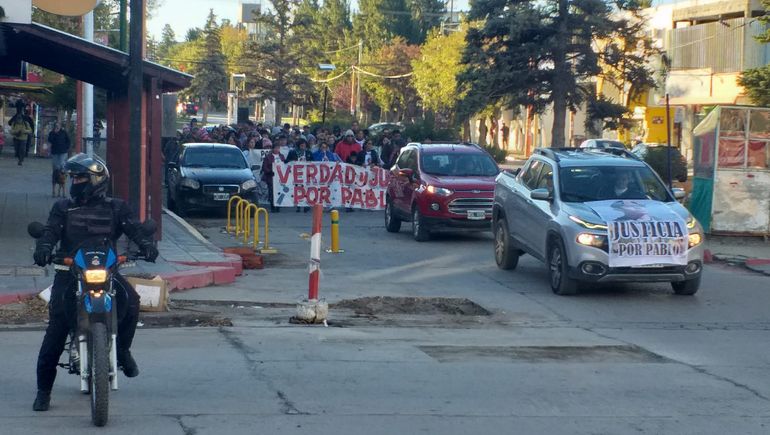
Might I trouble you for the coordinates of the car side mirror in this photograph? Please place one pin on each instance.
(541, 194)
(679, 193)
(512, 172)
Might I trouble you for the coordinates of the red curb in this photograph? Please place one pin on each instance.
(757, 261)
(16, 297)
(203, 277)
(232, 263)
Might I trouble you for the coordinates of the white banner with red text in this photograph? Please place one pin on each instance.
(331, 184)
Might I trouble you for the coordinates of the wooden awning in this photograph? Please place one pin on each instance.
(82, 60)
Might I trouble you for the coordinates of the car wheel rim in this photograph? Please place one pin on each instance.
(416, 222)
(556, 267)
(387, 214)
(499, 244)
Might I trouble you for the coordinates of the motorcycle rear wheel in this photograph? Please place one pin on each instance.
(100, 374)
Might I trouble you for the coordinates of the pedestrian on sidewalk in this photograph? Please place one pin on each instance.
(268, 172)
(21, 129)
(60, 146)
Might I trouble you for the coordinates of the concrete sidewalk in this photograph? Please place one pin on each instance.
(187, 259)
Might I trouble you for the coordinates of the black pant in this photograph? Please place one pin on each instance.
(62, 315)
(20, 149)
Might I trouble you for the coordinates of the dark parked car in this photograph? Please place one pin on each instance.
(206, 175)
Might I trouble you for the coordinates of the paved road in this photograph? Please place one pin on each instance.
(616, 360)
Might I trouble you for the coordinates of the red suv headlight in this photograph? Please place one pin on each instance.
(440, 191)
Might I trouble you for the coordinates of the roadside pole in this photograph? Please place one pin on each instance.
(668, 143)
(312, 310)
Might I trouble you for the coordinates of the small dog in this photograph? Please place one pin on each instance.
(58, 181)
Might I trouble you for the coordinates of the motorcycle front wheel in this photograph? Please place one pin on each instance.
(100, 374)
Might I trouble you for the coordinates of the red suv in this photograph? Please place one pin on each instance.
(441, 187)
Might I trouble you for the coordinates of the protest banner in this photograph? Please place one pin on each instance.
(331, 184)
(643, 233)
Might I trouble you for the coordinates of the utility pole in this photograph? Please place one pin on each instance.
(135, 90)
(358, 81)
(123, 43)
(88, 92)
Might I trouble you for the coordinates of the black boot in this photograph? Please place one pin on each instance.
(127, 364)
(42, 401)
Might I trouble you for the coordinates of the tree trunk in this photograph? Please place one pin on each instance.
(205, 104)
(278, 111)
(561, 75)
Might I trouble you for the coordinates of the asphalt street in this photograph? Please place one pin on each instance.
(622, 359)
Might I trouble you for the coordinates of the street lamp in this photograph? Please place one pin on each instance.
(325, 67)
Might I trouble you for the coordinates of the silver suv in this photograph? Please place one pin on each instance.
(596, 217)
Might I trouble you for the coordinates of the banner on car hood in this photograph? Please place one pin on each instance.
(331, 184)
(642, 233)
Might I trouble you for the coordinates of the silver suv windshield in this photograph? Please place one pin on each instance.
(458, 164)
(598, 183)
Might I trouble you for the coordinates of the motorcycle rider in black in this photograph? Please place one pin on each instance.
(88, 214)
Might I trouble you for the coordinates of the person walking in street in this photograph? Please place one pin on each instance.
(325, 155)
(268, 172)
(60, 146)
(347, 146)
(368, 157)
(300, 154)
(506, 131)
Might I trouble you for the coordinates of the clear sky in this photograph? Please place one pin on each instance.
(185, 14)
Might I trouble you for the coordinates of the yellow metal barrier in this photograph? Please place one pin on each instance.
(239, 217)
(335, 248)
(266, 248)
(230, 228)
(247, 217)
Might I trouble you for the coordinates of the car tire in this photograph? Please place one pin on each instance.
(686, 288)
(558, 270)
(392, 222)
(419, 232)
(506, 257)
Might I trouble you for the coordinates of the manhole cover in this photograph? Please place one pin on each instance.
(405, 305)
(552, 354)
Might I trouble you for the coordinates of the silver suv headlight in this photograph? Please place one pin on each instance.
(586, 224)
(248, 184)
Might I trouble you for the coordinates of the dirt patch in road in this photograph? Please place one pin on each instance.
(413, 305)
(32, 310)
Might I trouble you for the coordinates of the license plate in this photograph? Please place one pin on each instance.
(221, 196)
(476, 214)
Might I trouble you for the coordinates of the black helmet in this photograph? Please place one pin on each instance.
(81, 165)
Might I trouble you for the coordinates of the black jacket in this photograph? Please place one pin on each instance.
(70, 224)
(294, 154)
(60, 141)
(375, 161)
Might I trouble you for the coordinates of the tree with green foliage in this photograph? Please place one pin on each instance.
(209, 71)
(395, 96)
(436, 71)
(426, 15)
(193, 34)
(167, 42)
(272, 63)
(542, 54)
(380, 21)
(756, 81)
